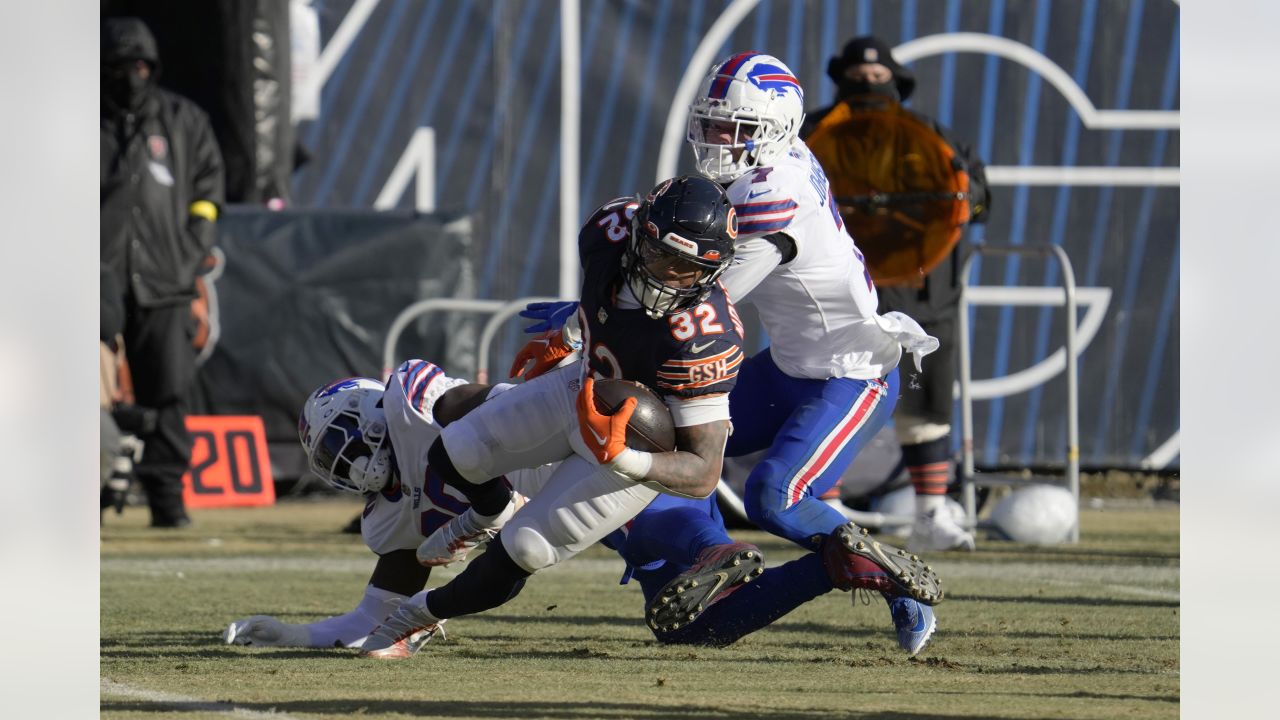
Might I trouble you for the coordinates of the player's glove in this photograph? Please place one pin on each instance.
(544, 352)
(605, 435)
(551, 315)
(266, 631)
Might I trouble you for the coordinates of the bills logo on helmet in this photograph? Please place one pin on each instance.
(344, 384)
(771, 77)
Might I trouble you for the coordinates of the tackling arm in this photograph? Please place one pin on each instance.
(396, 576)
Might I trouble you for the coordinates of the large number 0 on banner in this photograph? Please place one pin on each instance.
(229, 463)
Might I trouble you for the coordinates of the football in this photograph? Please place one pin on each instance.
(650, 428)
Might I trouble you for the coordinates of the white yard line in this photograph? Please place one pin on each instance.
(188, 704)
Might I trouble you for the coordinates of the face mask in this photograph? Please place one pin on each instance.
(126, 89)
(861, 87)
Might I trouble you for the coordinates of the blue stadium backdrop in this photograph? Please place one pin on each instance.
(1073, 104)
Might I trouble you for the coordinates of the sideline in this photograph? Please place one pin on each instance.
(184, 703)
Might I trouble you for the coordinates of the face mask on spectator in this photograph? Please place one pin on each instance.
(126, 85)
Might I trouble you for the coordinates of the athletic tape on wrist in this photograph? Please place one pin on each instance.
(635, 464)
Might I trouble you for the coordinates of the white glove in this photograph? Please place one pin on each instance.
(266, 631)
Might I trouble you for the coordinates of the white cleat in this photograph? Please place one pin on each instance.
(401, 634)
(937, 530)
(454, 540)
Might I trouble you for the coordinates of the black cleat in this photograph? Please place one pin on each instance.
(720, 570)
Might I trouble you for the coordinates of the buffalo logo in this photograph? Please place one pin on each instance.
(771, 77)
(344, 384)
(731, 224)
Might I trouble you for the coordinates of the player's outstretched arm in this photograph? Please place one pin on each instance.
(396, 576)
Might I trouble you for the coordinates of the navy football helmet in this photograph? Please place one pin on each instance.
(681, 241)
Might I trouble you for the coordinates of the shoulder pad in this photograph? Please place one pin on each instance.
(422, 383)
(613, 205)
(762, 205)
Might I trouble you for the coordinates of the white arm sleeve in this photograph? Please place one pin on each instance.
(753, 260)
(699, 410)
(351, 629)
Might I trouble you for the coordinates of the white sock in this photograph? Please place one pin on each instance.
(928, 503)
(419, 602)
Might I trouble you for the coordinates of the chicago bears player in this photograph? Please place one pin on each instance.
(651, 311)
(362, 437)
(828, 382)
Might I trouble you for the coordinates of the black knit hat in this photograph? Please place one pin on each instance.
(871, 49)
(128, 38)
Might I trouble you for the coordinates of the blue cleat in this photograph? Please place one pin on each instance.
(913, 621)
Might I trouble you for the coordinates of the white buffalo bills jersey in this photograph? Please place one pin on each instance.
(819, 307)
(402, 516)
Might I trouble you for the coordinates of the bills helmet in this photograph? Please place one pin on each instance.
(681, 241)
(343, 429)
(747, 113)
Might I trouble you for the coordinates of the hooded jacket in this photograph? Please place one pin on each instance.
(161, 180)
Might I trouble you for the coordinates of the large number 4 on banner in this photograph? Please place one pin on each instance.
(229, 463)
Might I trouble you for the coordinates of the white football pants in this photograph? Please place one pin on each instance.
(530, 425)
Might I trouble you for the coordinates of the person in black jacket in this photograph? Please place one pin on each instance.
(869, 79)
(161, 191)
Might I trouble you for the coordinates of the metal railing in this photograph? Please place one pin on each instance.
(1065, 295)
(501, 311)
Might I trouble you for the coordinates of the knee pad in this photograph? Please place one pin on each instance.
(912, 430)
(528, 548)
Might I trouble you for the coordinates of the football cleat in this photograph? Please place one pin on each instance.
(720, 570)
(937, 530)
(914, 623)
(454, 540)
(401, 634)
(855, 560)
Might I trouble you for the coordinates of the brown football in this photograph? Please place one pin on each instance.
(650, 428)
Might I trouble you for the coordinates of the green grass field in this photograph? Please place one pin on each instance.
(1085, 631)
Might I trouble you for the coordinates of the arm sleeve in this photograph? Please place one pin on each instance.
(351, 629)
(207, 180)
(753, 260)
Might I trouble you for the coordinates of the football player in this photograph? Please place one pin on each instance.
(363, 437)
(829, 381)
(651, 311)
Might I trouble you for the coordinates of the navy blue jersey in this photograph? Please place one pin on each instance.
(687, 354)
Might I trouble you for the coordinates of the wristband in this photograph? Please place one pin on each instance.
(635, 464)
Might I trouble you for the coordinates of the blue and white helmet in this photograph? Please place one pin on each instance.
(747, 113)
(343, 429)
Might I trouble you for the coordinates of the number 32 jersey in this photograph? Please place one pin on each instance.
(683, 356)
